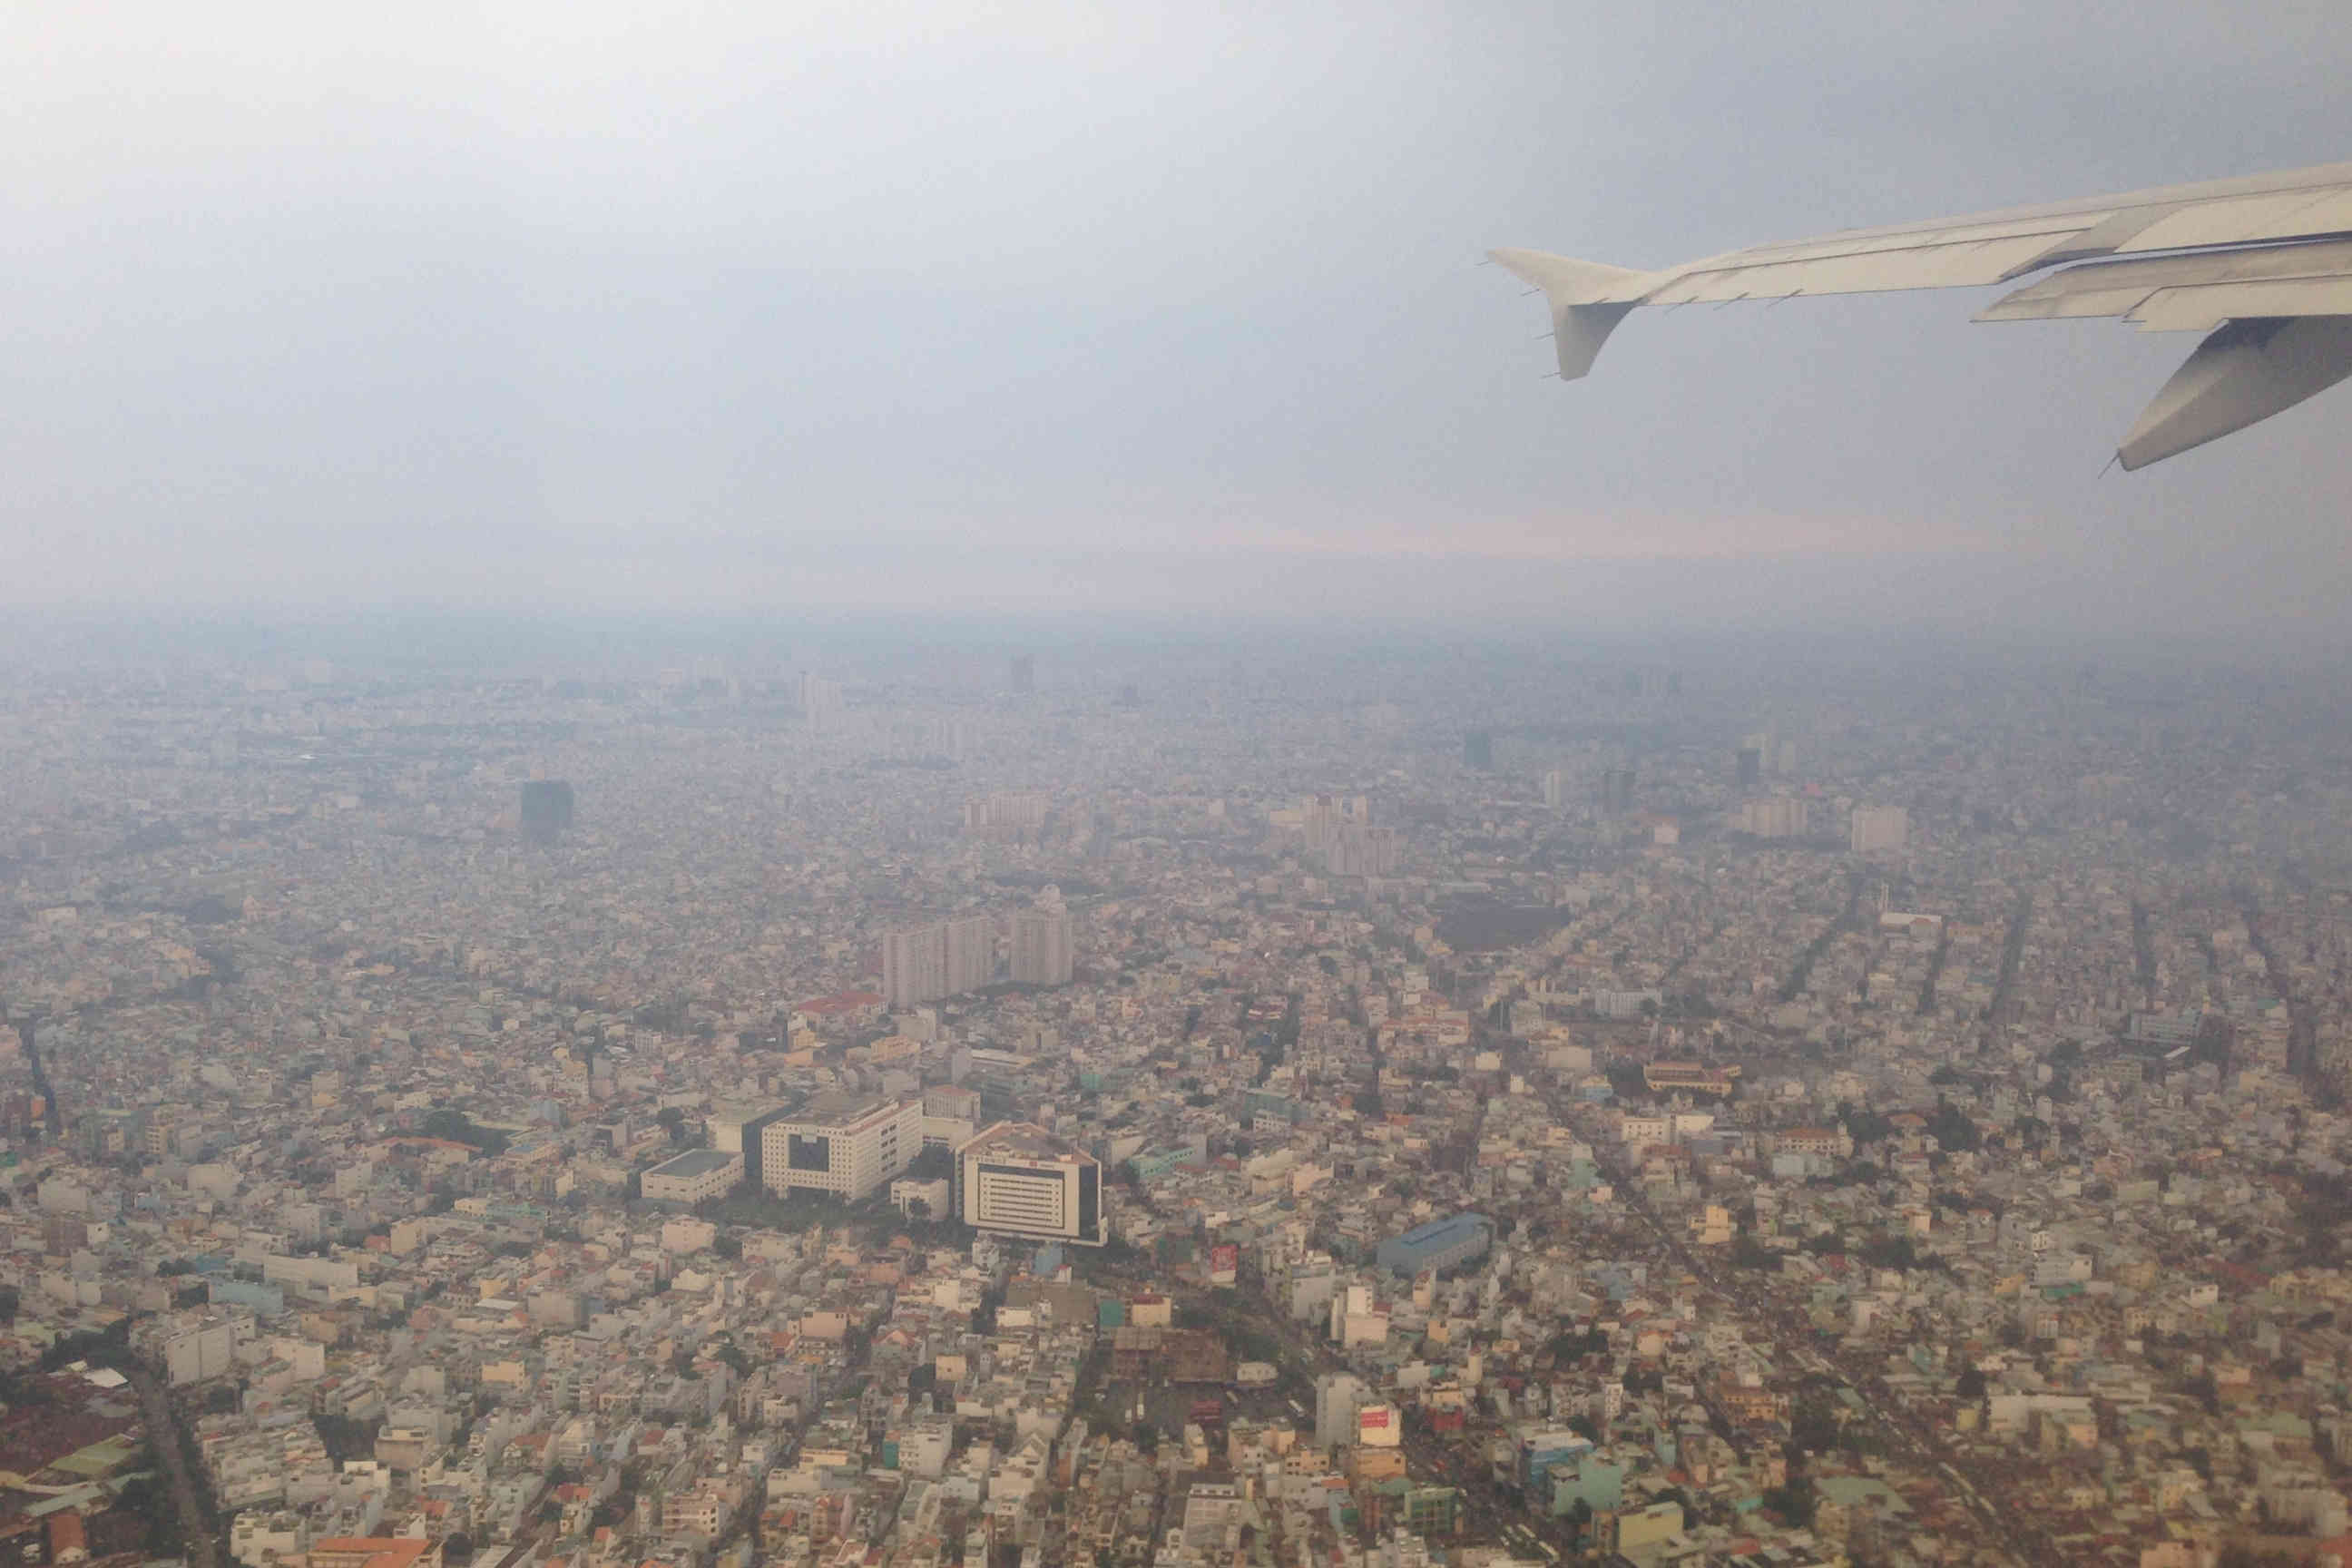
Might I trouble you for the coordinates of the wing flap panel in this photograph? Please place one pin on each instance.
(2203, 306)
(2116, 287)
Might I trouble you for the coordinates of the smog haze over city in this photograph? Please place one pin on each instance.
(879, 787)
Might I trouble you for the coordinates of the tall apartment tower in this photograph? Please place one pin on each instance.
(1041, 944)
(1555, 789)
(1877, 827)
(923, 964)
(1617, 789)
(1024, 673)
(1751, 767)
(1478, 750)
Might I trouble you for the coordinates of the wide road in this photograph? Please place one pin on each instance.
(163, 1436)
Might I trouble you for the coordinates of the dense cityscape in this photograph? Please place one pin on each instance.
(1148, 1108)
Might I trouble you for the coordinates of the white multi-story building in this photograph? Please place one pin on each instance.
(1019, 1178)
(1041, 945)
(842, 1143)
(195, 1345)
(1877, 827)
(923, 964)
(691, 1177)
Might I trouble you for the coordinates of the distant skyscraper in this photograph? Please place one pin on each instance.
(1024, 672)
(1555, 789)
(1877, 827)
(1041, 944)
(1751, 767)
(546, 809)
(1478, 750)
(1617, 789)
(923, 964)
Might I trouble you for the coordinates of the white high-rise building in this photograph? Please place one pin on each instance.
(842, 1143)
(1877, 827)
(1555, 789)
(923, 964)
(1019, 1178)
(1041, 944)
(970, 953)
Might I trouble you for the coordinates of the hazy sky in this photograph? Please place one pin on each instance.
(1163, 308)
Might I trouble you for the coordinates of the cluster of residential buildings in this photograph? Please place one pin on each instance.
(909, 1123)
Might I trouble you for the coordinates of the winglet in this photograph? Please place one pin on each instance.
(1588, 299)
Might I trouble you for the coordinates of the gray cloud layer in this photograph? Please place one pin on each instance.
(899, 305)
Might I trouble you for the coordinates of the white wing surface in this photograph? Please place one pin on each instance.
(2263, 263)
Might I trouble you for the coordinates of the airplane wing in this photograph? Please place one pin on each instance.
(2261, 263)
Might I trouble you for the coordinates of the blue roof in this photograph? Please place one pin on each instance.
(1450, 1229)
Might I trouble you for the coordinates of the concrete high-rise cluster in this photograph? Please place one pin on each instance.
(1880, 827)
(923, 964)
(1362, 850)
(1337, 831)
(1322, 816)
(1041, 944)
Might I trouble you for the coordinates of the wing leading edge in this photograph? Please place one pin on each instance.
(2261, 263)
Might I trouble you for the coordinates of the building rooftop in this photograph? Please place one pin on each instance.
(1024, 1140)
(1439, 1232)
(694, 1163)
(839, 1110)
